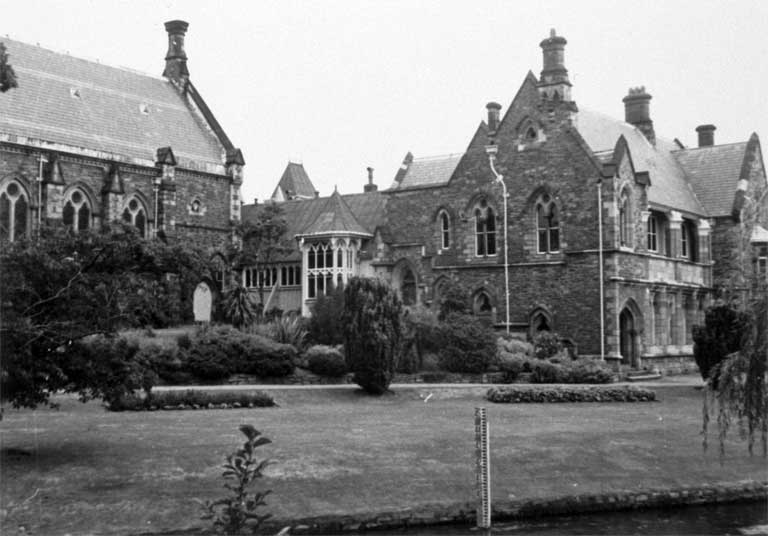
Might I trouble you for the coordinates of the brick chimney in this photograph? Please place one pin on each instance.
(370, 187)
(176, 58)
(637, 112)
(493, 116)
(554, 83)
(706, 135)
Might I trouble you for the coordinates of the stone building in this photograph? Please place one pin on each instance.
(84, 143)
(617, 238)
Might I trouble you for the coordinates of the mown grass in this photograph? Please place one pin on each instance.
(338, 451)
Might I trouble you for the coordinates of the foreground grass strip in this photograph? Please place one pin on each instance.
(194, 399)
(593, 393)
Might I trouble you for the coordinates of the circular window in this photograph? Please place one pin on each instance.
(13, 189)
(77, 197)
(133, 205)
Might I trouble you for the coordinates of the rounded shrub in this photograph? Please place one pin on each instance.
(468, 345)
(546, 344)
(326, 361)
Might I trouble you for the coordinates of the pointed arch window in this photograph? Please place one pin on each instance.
(135, 214)
(77, 212)
(625, 219)
(14, 212)
(653, 233)
(485, 230)
(548, 225)
(445, 229)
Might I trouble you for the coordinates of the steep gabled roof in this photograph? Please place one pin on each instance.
(428, 171)
(669, 185)
(294, 183)
(335, 218)
(714, 172)
(79, 103)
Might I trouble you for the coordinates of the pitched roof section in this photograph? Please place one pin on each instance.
(294, 183)
(428, 171)
(70, 101)
(335, 218)
(669, 185)
(714, 173)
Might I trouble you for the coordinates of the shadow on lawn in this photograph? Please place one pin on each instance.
(49, 456)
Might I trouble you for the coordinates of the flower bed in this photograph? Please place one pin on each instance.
(539, 394)
(193, 399)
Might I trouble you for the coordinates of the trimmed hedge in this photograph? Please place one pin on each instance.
(468, 345)
(513, 395)
(192, 399)
(554, 371)
(326, 361)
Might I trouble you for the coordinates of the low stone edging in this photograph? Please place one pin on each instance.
(464, 513)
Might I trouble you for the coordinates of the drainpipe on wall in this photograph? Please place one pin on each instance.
(600, 262)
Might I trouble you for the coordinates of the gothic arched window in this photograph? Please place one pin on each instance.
(77, 211)
(625, 219)
(445, 230)
(547, 225)
(14, 212)
(485, 230)
(135, 214)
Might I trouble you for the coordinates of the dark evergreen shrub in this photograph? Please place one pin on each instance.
(325, 324)
(468, 345)
(723, 333)
(546, 344)
(326, 361)
(184, 341)
(373, 330)
(454, 299)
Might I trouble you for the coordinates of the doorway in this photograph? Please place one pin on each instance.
(628, 338)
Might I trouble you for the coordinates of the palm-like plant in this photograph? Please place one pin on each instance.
(238, 307)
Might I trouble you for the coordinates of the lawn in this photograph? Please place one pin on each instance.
(337, 451)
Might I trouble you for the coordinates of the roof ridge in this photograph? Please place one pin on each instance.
(87, 59)
(439, 157)
(712, 146)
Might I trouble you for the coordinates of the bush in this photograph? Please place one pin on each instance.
(515, 346)
(326, 361)
(373, 331)
(257, 355)
(422, 336)
(546, 344)
(191, 398)
(454, 299)
(587, 371)
(546, 372)
(722, 334)
(325, 325)
(239, 309)
(184, 341)
(289, 329)
(468, 345)
(502, 395)
(511, 365)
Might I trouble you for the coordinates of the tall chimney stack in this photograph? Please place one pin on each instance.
(176, 58)
(706, 135)
(370, 187)
(493, 116)
(637, 112)
(554, 83)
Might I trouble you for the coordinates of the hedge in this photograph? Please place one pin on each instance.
(513, 395)
(192, 399)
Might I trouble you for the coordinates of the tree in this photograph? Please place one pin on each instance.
(61, 288)
(263, 242)
(737, 387)
(454, 298)
(722, 334)
(373, 316)
(7, 75)
(325, 324)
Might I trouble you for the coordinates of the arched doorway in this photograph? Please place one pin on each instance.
(628, 338)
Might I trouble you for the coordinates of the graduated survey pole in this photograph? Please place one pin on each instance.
(491, 151)
(483, 469)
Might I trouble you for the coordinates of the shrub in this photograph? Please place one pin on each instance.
(184, 341)
(192, 398)
(325, 324)
(326, 361)
(263, 357)
(373, 330)
(422, 336)
(722, 334)
(514, 345)
(511, 365)
(468, 345)
(537, 394)
(546, 344)
(587, 371)
(454, 299)
(289, 329)
(238, 306)
(546, 372)
(430, 363)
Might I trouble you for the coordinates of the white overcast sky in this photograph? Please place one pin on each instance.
(342, 85)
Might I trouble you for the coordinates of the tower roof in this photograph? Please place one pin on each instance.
(336, 218)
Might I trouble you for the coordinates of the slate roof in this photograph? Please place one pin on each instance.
(669, 185)
(335, 218)
(76, 102)
(295, 180)
(714, 173)
(428, 171)
(368, 209)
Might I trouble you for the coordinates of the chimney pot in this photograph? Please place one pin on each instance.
(637, 111)
(493, 115)
(554, 82)
(706, 135)
(370, 187)
(176, 57)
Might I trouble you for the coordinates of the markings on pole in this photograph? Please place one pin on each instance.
(483, 469)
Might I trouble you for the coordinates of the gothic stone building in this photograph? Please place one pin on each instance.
(83, 143)
(670, 218)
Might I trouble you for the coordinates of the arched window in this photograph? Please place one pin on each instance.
(135, 214)
(653, 233)
(482, 307)
(77, 211)
(540, 322)
(530, 134)
(485, 230)
(548, 225)
(14, 212)
(408, 287)
(625, 219)
(445, 230)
